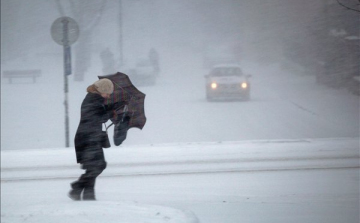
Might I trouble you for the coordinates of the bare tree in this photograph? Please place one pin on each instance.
(335, 35)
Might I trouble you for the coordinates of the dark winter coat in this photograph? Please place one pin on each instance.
(88, 135)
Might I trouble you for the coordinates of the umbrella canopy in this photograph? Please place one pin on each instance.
(125, 93)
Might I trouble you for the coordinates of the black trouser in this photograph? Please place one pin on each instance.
(94, 163)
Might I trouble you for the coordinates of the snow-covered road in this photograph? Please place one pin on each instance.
(321, 196)
(189, 158)
(305, 181)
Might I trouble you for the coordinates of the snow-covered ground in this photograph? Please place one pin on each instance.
(289, 154)
(248, 181)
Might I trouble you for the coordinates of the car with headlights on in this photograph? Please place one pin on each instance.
(227, 82)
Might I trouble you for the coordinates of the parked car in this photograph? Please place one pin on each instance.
(227, 82)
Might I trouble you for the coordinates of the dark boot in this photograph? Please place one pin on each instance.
(89, 194)
(77, 188)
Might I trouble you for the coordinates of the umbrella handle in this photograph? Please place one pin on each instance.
(125, 108)
(125, 111)
(108, 126)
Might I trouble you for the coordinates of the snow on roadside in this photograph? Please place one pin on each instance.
(237, 156)
(98, 211)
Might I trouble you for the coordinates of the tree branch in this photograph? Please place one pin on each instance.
(347, 6)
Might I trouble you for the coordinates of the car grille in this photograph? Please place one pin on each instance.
(228, 86)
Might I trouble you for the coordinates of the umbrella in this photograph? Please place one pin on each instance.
(127, 99)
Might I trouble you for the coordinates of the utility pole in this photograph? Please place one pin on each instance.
(121, 59)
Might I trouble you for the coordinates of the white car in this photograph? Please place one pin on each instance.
(227, 82)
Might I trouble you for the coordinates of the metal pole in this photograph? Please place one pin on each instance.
(120, 34)
(66, 88)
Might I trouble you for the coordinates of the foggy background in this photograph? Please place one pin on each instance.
(290, 152)
(261, 30)
(293, 39)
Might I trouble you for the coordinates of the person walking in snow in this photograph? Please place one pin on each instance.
(88, 138)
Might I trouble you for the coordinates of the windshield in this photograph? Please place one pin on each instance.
(226, 71)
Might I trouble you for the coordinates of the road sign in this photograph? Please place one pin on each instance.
(65, 31)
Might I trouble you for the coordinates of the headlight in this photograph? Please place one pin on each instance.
(244, 85)
(213, 85)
